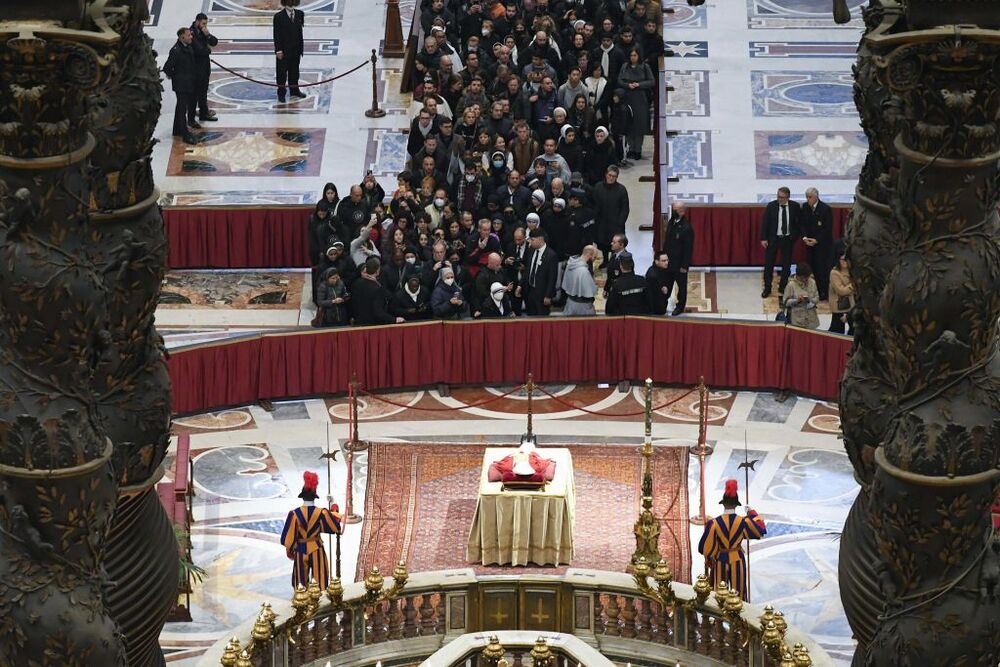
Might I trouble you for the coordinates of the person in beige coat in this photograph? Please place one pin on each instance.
(841, 296)
(801, 297)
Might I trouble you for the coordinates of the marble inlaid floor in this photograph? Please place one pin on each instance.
(763, 98)
(249, 464)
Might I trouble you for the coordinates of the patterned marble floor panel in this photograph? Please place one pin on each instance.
(248, 151)
(770, 99)
(228, 93)
(249, 463)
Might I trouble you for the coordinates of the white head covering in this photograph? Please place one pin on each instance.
(539, 195)
(497, 290)
(559, 201)
(533, 217)
(601, 128)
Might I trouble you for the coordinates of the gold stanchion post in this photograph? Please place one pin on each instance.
(701, 450)
(354, 445)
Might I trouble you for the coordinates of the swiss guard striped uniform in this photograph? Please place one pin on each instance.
(722, 543)
(303, 541)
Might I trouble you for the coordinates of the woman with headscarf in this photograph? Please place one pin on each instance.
(498, 305)
(570, 148)
(331, 300)
(638, 81)
(447, 301)
(411, 301)
(600, 155)
(597, 89)
(578, 284)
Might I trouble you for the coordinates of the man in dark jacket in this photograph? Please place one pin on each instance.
(288, 47)
(659, 284)
(180, 69)
(411, 301)
(202, 46)
(493, 272)
(610, 209)
(353, 212)
(678, 243)
(628, 294)
(779, 227)
(817, 234)
(515, 194)
(370, 299)
(541, 268)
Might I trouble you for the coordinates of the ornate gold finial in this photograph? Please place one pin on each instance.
(641, 567)
(662, 573)
(734, 603)
(779, 622)
(268, 612)
(771, 639)
(786, 660)
(261, 628)
(493, 652)
(300, 600)
(702, 588)
(244, 660)
(230, 653)
(767, 616)
(335, 591)
(374, 582)
(541, 654)
(314, 592)
(400, 574)
(800, 655)
(721, 594)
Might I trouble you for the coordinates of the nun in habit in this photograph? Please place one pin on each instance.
(498, 305)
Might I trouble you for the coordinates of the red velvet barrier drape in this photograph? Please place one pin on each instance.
(219, 237)
(730, 235)
(729, 354)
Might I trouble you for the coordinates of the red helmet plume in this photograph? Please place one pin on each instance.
(310, 481)
(731, 494)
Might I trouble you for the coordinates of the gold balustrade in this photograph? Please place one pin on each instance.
(415, 615)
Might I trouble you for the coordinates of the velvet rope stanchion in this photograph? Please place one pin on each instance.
(597, 413)
(701, 450)
(353, 446)
(375, 111)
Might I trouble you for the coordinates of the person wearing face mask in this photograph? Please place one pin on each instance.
(447, 301)
(470, 190)
(435, 208)
(411, 301)
(488, 276)
(498, 304)
(578, 283)
(499, 166)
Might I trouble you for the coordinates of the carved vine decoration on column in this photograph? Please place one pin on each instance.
(921, 395)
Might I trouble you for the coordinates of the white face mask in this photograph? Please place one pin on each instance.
(469, 178)
(439, 202)
(498, 296)
(448, 281)
(411, 260)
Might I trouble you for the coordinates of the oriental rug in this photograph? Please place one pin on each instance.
(421, 499)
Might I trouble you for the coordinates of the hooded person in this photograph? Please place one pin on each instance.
(600, 155)
(336, 257)
(447, 301)
(498, 304)
(331, 300)
(302, 535)
(722, 542)
(411, 301)
(578, 283)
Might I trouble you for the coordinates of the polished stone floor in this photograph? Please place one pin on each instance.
(249, 464)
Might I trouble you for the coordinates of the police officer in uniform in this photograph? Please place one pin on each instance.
(627, 295)
(181, 71)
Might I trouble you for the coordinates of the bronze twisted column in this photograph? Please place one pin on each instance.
(921, 396)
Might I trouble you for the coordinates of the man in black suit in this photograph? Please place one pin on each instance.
(288, 47)
(202, 46)
(515, 194)
(539, 285)
(370, 299)
(611, 208)
(678, 243)
(612, 270)
(628, 296)
(180, 69)
(817, 234)
(515, 260)
(779, 227)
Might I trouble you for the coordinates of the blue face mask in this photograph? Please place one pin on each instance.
(498, 163)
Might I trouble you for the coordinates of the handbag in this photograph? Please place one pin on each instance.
(843, 303)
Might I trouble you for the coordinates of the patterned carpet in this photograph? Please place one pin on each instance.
(421, 499)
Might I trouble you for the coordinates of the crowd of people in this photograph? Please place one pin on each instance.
(523, 114)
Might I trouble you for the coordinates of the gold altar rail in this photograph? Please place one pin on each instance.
(605, 609)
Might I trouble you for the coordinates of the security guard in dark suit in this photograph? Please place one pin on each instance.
(180, 68)
(627, 295)
(288, 47)
(202, 46)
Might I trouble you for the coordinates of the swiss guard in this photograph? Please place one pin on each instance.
(303, 535)
(722, 542)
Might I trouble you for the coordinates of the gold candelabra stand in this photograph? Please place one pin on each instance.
(306, 603)
(647, 526)
(493, 654)
(702, 450)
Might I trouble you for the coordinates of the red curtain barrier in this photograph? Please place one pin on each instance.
(220, 237)
(241, 237)
(730, 235)
(728, 353)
